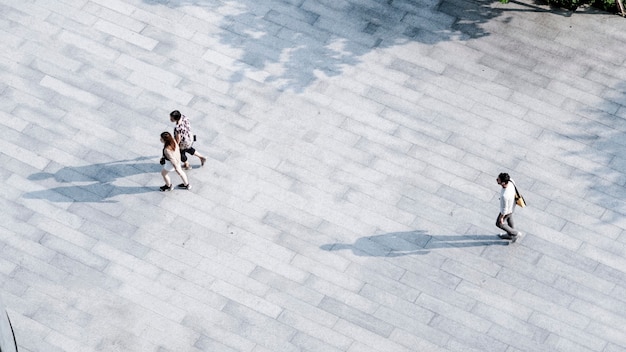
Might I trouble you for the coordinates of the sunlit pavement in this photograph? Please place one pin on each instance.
(349, 198)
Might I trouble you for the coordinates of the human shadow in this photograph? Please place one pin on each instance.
(100, 178)
(397, 244)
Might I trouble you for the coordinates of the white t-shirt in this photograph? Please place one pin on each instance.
(507, 199)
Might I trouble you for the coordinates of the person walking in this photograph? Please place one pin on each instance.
(182, 134)
(507, 207)
(171, 162)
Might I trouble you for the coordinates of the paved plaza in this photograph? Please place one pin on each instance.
(349, 198)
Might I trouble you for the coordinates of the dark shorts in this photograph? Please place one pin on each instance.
(184, 152)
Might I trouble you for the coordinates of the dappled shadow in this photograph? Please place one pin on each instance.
(292, 46)
(417, 242)
(603, 130)
(100, 178)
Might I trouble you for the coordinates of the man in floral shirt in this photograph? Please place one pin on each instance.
(182, 134)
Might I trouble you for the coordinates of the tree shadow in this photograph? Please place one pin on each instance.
(419, 242)
(603, 130)
(100, 177)
(294, 45)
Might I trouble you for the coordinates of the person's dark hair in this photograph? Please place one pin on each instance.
(175, 115)
(168, 140)
(504, 177)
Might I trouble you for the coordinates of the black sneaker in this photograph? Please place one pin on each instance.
(504, 236)
(184, 186)
(165, 188)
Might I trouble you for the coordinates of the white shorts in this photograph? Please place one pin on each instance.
(169, 167)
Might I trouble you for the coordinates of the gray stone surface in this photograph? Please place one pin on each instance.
(348, 200)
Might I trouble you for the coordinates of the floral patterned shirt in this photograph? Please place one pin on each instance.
(182, 133)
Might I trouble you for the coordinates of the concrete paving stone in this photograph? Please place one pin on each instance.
(583, 97)
(386, 210)
(540, 289)
(285, 289)
(70, 91)
(603, 235)
(131, 262)
(53, 229)
(279, 267)
(355, 316)
(602, 77)
(389, 273)
(303, 340)
(473, 65)
(257, 326)
(567, 332)
(328, 273)
(217, 334)
(22, 13)
(122, 19)
(412, 341)
(392, 304)
(205, 343)
(613, 348)
(607, 303)
(274, 202)
(89, 44)
(392, 102)
(144, 69)
(519, 342)
(397, 175)
(314, 330)
(607, 258)
(509, 322)
(609, 333)
(304, 301)
(234, 278)
(24, 245)
(467, 337)
(191, 295)
(40, 333)
(155, 86)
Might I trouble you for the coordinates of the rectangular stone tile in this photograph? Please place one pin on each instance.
(249, 300)
(155, 86)
(123, 259)
(444, 307)
(564, 330)
(74, 252)
(467, 335)
(313, 329)
(326, 272)
(414, 342)
(518, 342)
(384, 276)
(554, 310)
(506, 305)
(259, 326)
(70, 91)
(357, 317)
(392, 305)
(90, 45)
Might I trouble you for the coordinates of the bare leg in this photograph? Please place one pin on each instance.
(182, 175)
(166, 177)
(201, 157)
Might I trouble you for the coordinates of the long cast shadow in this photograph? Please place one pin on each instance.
(101, 177)
(417, 242)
